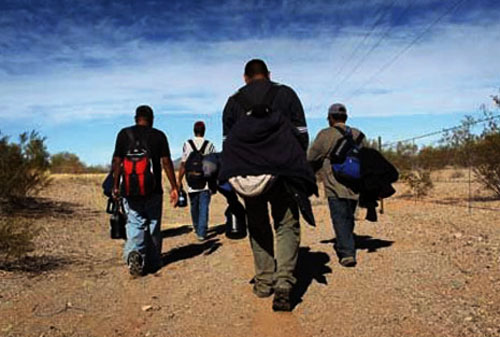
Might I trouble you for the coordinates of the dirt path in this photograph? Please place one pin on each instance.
(424, 270)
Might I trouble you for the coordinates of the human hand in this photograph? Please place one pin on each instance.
(174, 197)
(115, 193)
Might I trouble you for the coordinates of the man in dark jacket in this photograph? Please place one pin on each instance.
(270, 275)
(341, 198)
(142, 251)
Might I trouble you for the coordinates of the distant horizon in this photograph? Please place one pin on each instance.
(76, 70)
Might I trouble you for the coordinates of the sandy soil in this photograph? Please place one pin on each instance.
(425, 269)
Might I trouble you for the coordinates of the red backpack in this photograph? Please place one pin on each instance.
(138, 179)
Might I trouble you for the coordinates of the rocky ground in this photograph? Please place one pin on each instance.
(425, 269)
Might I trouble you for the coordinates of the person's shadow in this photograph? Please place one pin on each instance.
(310, 266)
(365, 242)
(190, 251)
(171, 232)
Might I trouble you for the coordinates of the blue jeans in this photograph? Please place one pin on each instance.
(144, 228)
(199, 211)
(342, 214)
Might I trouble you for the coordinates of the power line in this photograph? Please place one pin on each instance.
(407, 47)
(439, 132)
(375, 46)
(366, 36)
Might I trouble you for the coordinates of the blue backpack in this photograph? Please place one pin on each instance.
(345, 156)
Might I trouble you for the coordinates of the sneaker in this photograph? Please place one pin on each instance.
(282, 301)
(135, 264)
(201, 238)
(348, 261)
(262, 291)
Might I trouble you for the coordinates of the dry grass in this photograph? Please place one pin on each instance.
(425, 269)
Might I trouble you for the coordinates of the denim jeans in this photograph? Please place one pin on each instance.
(342, 214)
(144, 228)
(200, 202)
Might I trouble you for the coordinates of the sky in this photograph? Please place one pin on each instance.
(75, 70)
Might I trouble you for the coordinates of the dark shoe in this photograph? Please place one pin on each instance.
(262, 291)
(135, 264)
(281, 301)
(348, 261)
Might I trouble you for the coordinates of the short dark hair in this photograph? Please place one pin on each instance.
(339, 117)
(199, 128)
(145, 112)
(256, 67)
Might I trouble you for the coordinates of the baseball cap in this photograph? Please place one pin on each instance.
(337, 109)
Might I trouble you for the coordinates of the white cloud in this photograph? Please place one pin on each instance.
(454, 69)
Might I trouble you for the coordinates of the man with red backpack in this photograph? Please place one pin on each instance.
(199, 192)
(140, 153)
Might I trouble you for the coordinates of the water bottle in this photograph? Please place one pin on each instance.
(236, 227)
(182, 201)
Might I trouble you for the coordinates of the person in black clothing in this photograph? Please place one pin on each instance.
(270, 275)
(144, 241)
(258, 82)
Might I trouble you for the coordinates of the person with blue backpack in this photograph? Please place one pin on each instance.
(335, 152)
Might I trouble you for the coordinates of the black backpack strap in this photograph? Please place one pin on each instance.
(131, 138)
(193, 145)
(136, 140)
(203, 147)
(240, 98)
(271, 94)
(347, 133)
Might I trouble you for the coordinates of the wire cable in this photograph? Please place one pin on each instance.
(381, 15)
(407, 47)
(439, 132)
(375, 46)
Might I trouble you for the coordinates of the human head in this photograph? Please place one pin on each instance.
(144, 115)
(199, 129)
(256, 69)
(337, 113)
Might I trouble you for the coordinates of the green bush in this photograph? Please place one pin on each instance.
(66, 162)
(16, 238)
(23, 166)
(419, 182)
(486, 163)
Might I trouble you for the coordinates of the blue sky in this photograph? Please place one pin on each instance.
(75, 70)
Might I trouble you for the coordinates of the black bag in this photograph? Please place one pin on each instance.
(261, 109)
(118, 219)
(107, 185)
(344, 156)
(195, 176)
(137, 169)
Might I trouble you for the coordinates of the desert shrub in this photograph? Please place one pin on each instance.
(486, 163)
(457, 174)
(23, 166)
(16, 238)
(418, 181)
(403, 157)
(66, 162)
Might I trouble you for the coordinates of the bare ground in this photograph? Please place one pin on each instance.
(425, 269)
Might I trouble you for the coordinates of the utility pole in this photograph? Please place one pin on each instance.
(380, 150)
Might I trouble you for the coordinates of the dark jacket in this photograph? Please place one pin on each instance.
(268, 145)
(377, 177)
(286, 102)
